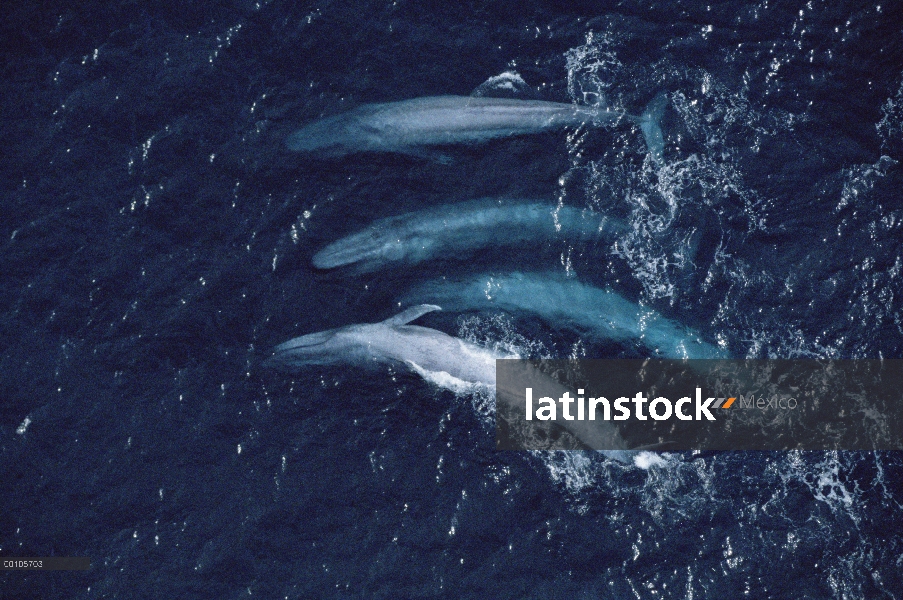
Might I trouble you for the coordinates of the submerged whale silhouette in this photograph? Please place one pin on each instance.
(454, 230)
(444, 358)
(408, 126)
(594, 311)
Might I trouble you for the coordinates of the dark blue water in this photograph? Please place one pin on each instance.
(156, 242)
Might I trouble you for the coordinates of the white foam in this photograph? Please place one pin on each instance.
(890, 127)
(510, 81)
(445, 380)
(646, 460)
(24, 426)
(481, 395)
(576, 471)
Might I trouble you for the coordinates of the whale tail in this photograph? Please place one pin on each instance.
(650, 123)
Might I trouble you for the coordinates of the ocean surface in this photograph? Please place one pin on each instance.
(157, 238)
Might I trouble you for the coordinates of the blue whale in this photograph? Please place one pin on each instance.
(443, 359)
(598, 312)
(457, 230)
(410, 126)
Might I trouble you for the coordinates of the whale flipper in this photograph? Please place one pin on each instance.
(408, 315)
(650, 123)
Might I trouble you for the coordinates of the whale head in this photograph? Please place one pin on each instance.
(321, 348)
(335, 136)
(322, 137)
(373, 245)
(365, 342)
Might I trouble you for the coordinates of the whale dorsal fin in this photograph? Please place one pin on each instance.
(408, 315)
(507, 85)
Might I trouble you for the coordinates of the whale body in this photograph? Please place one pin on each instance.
(457, 230)
(408, 126)
(393, 341)
(595, 311)
(429, 351)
